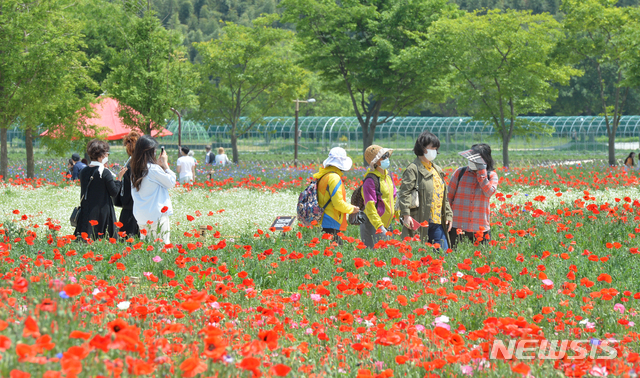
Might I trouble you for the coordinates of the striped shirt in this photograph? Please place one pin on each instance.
(470, 197)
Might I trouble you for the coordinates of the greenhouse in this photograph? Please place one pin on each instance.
(193, 134)
(319, 134)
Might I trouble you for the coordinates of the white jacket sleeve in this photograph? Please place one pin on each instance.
(163, 178)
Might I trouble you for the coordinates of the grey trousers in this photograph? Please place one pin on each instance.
(368, 233)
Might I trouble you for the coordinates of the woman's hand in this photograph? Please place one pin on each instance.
(408, 221)
(162, 160)
(450, 224)
(121, 173)
(355, 209)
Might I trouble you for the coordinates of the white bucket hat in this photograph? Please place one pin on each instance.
(339, 159)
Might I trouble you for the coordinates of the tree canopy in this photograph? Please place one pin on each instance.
(501, 66)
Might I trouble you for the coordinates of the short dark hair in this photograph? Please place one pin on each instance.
(485, 151)
(185, 150)
(97, 148)
(425, 139)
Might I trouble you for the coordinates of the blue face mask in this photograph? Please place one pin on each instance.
(385, 164)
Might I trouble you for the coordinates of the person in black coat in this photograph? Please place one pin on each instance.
(128, 220)
(97, 217)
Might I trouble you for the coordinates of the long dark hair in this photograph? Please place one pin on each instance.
(485, 151)
(143, 154)
(631, 155)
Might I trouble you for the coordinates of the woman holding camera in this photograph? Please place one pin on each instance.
(151, 179)
(470, 192)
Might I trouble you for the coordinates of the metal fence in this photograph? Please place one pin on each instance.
(319, 134)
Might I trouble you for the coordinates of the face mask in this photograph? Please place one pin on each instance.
(385, 164)
(431, 155)
(472, 166)
(105, 160)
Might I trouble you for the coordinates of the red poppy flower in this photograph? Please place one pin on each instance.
(19, 374)
(281, 370)
(72, 289)
(190, 218)
(93, 222)
(164, 209)
(192, 367)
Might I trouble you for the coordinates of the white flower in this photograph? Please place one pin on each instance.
(123, 305)
(96, 291)
(442, 319)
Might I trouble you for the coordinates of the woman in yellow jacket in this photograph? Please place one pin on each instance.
(379, 200)
(331, 189)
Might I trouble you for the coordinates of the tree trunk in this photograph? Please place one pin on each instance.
(368, 132)
(234, 147)
(612, 150)
(4, 158)
(505, 152)
(28, 141)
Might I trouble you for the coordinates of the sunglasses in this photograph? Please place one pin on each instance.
(385, 156)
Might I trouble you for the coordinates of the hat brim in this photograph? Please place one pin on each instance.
(342, 163)
(380, 154)
(472, 156)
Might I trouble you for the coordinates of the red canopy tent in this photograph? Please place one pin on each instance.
(107, 118)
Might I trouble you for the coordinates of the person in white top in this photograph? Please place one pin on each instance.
(186, 166)
(221, 157)
(151, 180)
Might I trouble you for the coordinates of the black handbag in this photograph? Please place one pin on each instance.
(75, 214)
(117, 199)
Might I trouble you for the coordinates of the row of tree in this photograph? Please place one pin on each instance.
(377, 59)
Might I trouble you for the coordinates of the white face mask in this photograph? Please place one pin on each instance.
(105, 160)
(431, 155)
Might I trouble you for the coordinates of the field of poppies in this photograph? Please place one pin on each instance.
(240, 299)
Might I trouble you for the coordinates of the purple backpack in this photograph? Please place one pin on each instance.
(308, 208)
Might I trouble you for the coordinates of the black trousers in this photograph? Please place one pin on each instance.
(333, 232)
(455, 238)
(129, 223)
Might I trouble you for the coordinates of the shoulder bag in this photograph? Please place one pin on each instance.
(75, 214)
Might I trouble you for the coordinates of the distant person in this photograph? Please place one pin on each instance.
(209, 157)
(470, 190)
(70, 165)
(151, 180)
(379, 193)
(186, 166)
(97, 186)
(221, 158)
(128, 220)
(425, 178)
(332, 195)
(77, 166)
(629, 162)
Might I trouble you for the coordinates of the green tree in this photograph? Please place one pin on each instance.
(251, 71)
(104, 27)
(152, 75)
(354, 46)
(596, 34)
(43, 73)
(501, 66)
